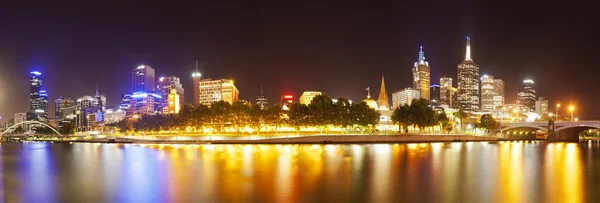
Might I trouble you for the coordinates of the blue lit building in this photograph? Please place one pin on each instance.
(38, 98)
(141, 103)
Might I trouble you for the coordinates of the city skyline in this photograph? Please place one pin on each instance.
(238, 59)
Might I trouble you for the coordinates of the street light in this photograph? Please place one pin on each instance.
(516, 111)
(557, 106)
(571, 109)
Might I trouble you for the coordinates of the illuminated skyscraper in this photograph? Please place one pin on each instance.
(526, 96)
(383, 103)
(143, 79)
(64, 107)
(165, 84)
(216, 90)
(446, 92)
(421, 75)
(468, 82)
(173, 102)
(38, 98)
(492, 93)
(196, 84)
(261, 99)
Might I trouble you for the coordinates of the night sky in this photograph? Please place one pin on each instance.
(338, 48)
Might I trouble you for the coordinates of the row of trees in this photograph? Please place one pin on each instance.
(420, 115)
(322, 111)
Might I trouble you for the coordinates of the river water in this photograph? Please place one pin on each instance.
(427, 172)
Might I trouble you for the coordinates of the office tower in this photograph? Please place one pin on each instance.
(383, 103)
(445, 91)
(165, 84)
(421, 73)
(434, 98)
(468, 82)
(64, 107)
(307, 97)
(541, 106)
(143, 79)
(261, 99)
(405, 96)
(526, 96)
(492, 93)
(19, 118)
(196, 85)
(173, 102)
(38, 98)
(216, 90)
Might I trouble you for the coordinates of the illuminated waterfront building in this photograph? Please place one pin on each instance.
(383, 103)
(19, 118)
(165, 84)
(307, 97)
(526, 96)
(446, 91)
(421, 75)
(212, 91)
(38, 98)
(468, 82)
(261, 99)
(286, 101)
(173, 102)
(196, 84)
(64, 107)
(492, 93)
(405, 96)
(434, 90)
(541, 106)
(114, 115)
(143, 79)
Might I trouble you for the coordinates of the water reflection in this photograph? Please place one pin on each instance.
(432, 172)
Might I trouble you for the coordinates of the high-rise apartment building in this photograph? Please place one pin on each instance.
(526, 96)
(173, 102)
(405, 96)
(165, 84)
(307, 97)
(143, 79)
(216, 90)
(261, 99)
(541, 106)
(468, 82)
(38, 98)
(492, 93)
(434, 98)
(445, 91)
(421, 75)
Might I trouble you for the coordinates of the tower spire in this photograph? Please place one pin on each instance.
(97, 92)
(368, 92)
(421, 54)
(468, 54)
(382, 100)
(196, 66)
(261, 90)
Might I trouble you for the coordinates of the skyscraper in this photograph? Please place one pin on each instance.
(216, 90)
(38, 98)
(492, 93)
(143, 79)
(541, 106)
(196, 84)
(421, 75)
(261, 99)
(468, 82)
(446, 91)
(173, 102)
(165, 84)
(526, 96)
(383, 103)
(435, 95)
(64, 107)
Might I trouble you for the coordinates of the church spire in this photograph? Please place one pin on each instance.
(468, 54)
(382, 100)
(368, 92)
(421, 54)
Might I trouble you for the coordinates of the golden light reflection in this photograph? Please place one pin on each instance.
(564, 177)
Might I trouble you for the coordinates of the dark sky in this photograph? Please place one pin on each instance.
(339, 48)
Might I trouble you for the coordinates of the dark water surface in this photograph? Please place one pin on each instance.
(432, 172)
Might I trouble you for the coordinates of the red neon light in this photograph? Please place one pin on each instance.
(288, 96)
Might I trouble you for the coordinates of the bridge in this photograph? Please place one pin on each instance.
(557, 131)
(26, 123)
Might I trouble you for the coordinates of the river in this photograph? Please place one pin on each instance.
(426, 172)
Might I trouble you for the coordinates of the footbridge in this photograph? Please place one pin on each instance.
(557, 131)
